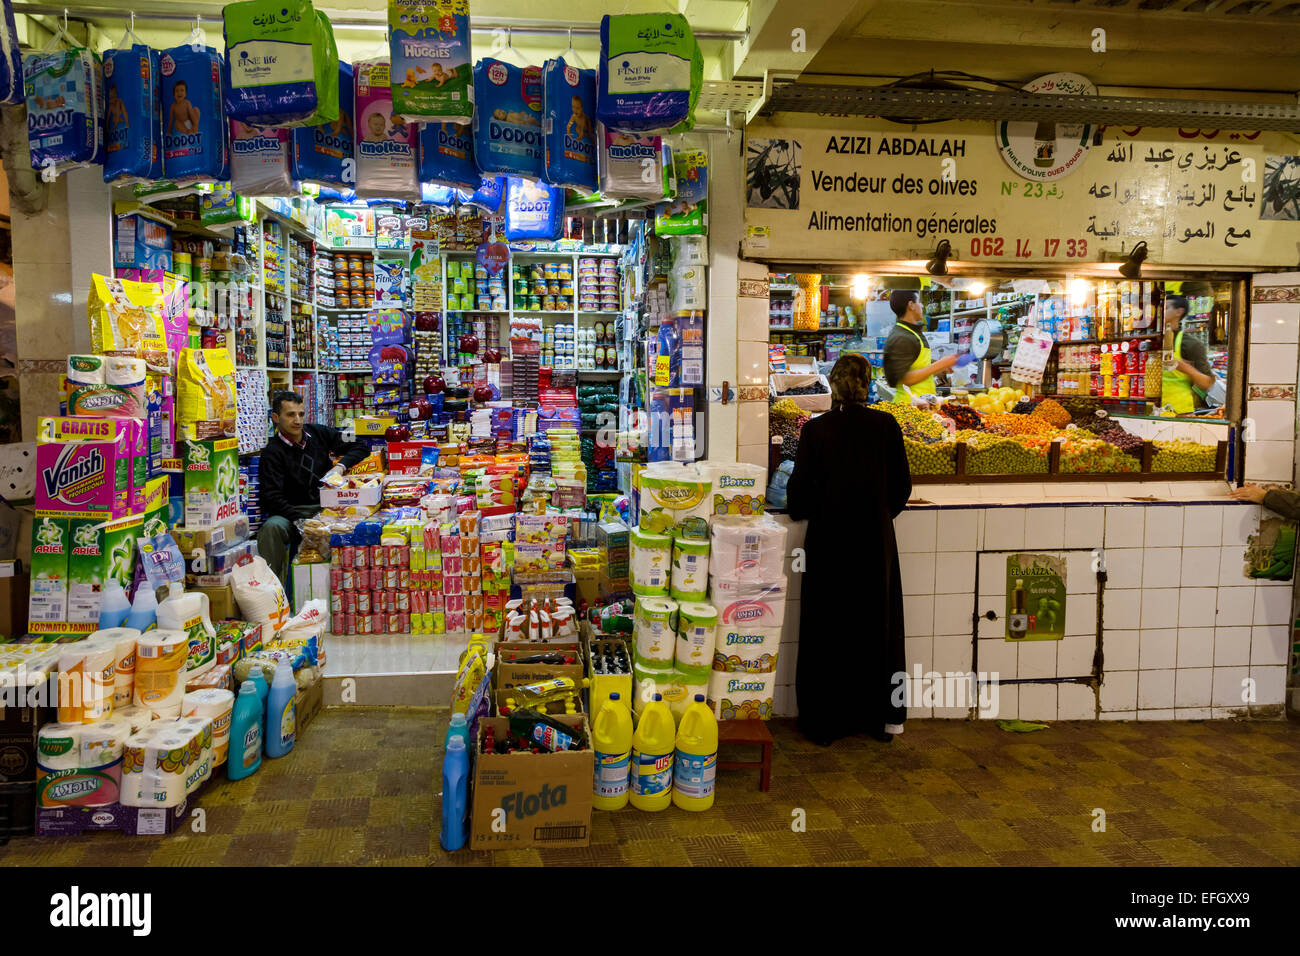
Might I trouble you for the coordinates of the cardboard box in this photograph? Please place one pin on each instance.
(72, 559)
(15, 588)
(311, 582)
(614, 588)
(602, 685)
(211, 482)
(404, 456)
(348, 497)
(194, 539)
(91, 473)
(372, 426)
(221, 602)
(308, 703)
(133, 821)
(509, 675)
(542, 799)
(141, 242)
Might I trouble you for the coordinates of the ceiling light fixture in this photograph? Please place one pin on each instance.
(938, 266)
(1131, 268)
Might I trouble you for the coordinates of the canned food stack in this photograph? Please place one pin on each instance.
(542, 286)
(351, 276)
(596, 348)
(557, 345)
(461, 285)
(250, 500)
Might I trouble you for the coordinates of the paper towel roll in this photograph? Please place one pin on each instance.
(85, 370)
(58, 746)
(102, 747)
(135, 716)
(653, 631)
(690, 570)
(217, 706)
(741, 696)
(160, 671)
(674, 497)
(86, 681)
(676, 689)
(155, 763)
(746, 649)
(123, 640)
(126, 372)
(695, 626)
(745, 604)
(199, 729)
(649, 558)
(748, 549)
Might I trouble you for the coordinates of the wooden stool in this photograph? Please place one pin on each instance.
(748, 733)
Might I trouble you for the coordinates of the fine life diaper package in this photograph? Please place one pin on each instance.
(133, 116)
(326, 153)
(533, 210)
(259, 160)
(281, 62)
(386, 146)
(194, 127)
(569, 125)
(508, 119)
(447, 156)
(428, 41)
(65, 108)
(688, 213)
(11, 62)
(634, 166)
(651, 72)
(491, 190)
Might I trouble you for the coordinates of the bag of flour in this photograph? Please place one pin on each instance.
(428, 43)
(260, 595)
(281, 61)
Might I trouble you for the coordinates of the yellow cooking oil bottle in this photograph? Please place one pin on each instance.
(653, 748)
(611, 738)
(695, 767)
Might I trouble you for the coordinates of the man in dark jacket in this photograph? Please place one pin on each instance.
(295, 461)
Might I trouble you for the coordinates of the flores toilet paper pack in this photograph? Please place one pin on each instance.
(748, 550)
(741, 696)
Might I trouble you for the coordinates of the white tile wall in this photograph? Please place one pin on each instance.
(1270, 685)
(1079, 576)
(959, 529)
(1200, 566)
(1008, 702)
(751, 363)
(1164, 527)
(1236, 607)
(915, 530)
(998, 657)
(918, 615)
(1268, 645)
(954, 571)
(952, 613)
(919, 650)
(1193, 713)
(1121, 715)
(1193, 687)
(1273, 322)
(1120, 650)
(1269, 421)
(1074, 656)
(1232, 567)
(1124, 567)
(1155, 689)
(1197, 607)
(1202, 526)
(1122, 610)
(1081, 614)
(1125, 526)
(1119, 690)
(1228, 687)
(952, 653)
(1036, 659)
(1004, 529)
(1239, 523)
(917, 570)
(1084, 527)
(1161, 714)
(1038, 702)
(1270, 460)
(1231, 646)
(1159, 607)
(1045, 528)
(1195, 646)
(1158, 649)
(1076, 702)
(1272, 606)
(1275, 366)
(1162, 567)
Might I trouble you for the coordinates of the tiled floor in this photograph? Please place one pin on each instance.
(362, 788)
(394, 653)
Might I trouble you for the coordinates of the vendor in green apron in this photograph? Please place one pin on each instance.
(907, 352)
(1192, 373)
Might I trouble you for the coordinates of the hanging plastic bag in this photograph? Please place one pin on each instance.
(195, 147)
(133, 115)
(281, 63)
(386, 146)
(64, 108)
(259, 161)
(533, 210)
(447, 156)
(651, 72)
(429, 45)
(11, 61)
(490, 192)
(569, 106)
(508, 119)
(326, 153)
(634, 166)
(688, 213)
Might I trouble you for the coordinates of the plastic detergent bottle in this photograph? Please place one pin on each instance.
(245, 754)
(612, 742)
(668, 361)
(258, 680)
(695, 767)
(143, 615)
(458, 727)
(455, 779)
(651, 761)
(281, 722)
(113, 605)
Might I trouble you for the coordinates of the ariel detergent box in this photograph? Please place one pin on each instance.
(211, 482)
(91, 466)
(73, 559)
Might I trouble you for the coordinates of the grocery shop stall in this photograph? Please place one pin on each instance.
(1099, 403)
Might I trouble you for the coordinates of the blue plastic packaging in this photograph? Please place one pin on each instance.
(569, 107)
(533, 210)
(455, 791)
(490, 192)
(456, 728)
(64, 108)
(508, 119)
(258, 680)
(245, 754)
(143, 615)
(133, 116)
(447, 155)
(11, 62)
(327, 153)
(114, 605)
(195, 146)
(281, 719)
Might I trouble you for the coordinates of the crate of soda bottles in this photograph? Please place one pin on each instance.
(609, 669)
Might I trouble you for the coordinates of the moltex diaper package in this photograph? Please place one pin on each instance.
(428, 42)
(688, 213)
(11, 61)
(533, 210)
(259, 161)
(281, 61)
(508, 119)
(386, 146)
(326, 153)
(65, 108)
(651, 71)
(634, 166)
(447, 156)
(569, 125)
(194, 128)
(133, 148)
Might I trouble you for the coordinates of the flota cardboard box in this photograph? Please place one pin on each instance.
(91, 466)
(211, 482)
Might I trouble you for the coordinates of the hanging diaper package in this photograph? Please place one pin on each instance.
(280, 63)
(386, 146)
(428, 41)
(64, 108)
(447, 156)
(688, 213)
(326, 153)
(508, 119)
(569, 126)
(132, 119)
(533, 210)
(490, 192)
(259, 161)
(634, 166)
(11, 61)
(194, 128)
(651, 71)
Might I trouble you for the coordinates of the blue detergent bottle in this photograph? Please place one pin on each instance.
(258, 679)
(143, 615)
(245, 734)
(113, 605)
(455, 789)
(457, 728)
(281, 719)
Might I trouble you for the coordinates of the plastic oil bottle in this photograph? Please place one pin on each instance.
(612, 743)
(695, 766)
(245, 734)
(651, 760)
(281, 720)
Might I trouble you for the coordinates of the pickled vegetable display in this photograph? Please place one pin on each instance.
(935, 458)
(998, 455)
(1086, 456)
(1183, 456)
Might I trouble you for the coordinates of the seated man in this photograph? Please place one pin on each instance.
(293, 464)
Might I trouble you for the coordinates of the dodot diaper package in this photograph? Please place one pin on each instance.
(533, 210)
(386, 145)
(281, 63)
(569, 126)
(194, 126)
(133, 117)
(259, 160)
(447, 156)
(428, 41)
(651, 72)
(508, 119)
(326, 153)
(490, 192)
(65, 108)
(11, 62)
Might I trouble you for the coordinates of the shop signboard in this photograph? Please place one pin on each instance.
(826, 189)
(1035, 597)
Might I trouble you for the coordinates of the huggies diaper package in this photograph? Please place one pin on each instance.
(651, 71)
(428, 42)
(133, 116)
(508, 119)
(64, 108)
(569, 126)
(533, 210)
(259, 160)
(281, 61)
(326, 153)
(447, 156)
(194, 128)
(386, 145)
(11, 61)
(634, 166)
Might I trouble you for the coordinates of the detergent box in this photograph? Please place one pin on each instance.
(142, 241)
(155, 507)
(100, 551)
(47, 604)
(89, 465)
(211, 481)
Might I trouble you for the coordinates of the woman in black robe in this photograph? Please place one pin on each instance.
(850, 481)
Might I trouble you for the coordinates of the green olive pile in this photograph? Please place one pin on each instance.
(914, 422)
(996, 455)
(936, 458)
(1086, 456)
(785, 408)
(1183, 456)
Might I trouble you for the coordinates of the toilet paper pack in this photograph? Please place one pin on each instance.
(748, 549)
(738, 487)
(741, 696)
(751, 650)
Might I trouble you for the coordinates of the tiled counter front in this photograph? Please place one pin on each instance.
(1183, 626)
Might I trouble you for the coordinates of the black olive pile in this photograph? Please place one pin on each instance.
(788, 429)
(816, 388)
